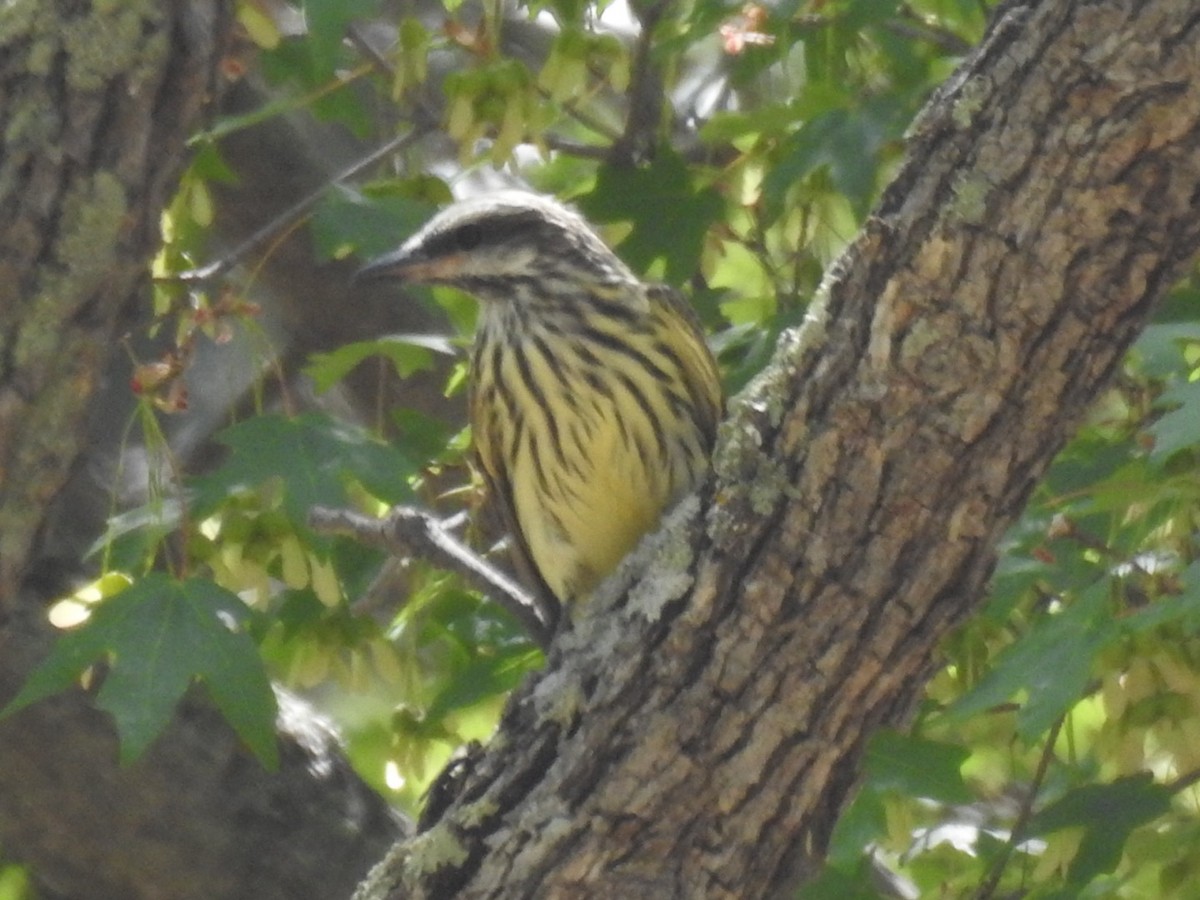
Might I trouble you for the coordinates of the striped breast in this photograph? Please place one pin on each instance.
(602, 423)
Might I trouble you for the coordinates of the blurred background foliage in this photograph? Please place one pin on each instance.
(731, 149)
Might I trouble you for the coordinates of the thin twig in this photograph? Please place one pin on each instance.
(355, 35)
(987, 888)
(1184, 781)
(412, 532)
(645, 91)
(587, 120)
(292, 214)
(578, 149)
(914, 26)
(561, 144)
(300, 209)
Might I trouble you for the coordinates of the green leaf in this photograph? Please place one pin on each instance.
(208, 164)
(158, 637)
(367, 223)
(1159, 348)
(1015, 575)
(486, 676)
(670, 216)
(858, 14)
(1107, 813)
(1091, 457)
(917, 767)
(842, 883)
(132, 536)
(1182, 304)
(474, 651)
(863, 822)
(426, 436)
(1051, 665)
(327, 21)
(1180, 427)
(408, 353)
(313, 456)
(730, 126)
(844, 141)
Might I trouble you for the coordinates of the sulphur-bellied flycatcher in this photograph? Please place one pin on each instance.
(594, 399)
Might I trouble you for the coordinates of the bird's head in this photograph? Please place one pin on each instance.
(504, 246)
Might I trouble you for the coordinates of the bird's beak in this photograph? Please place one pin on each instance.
(411, 266)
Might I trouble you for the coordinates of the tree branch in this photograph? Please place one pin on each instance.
(645, 94)
(295, 213)
(412, 532)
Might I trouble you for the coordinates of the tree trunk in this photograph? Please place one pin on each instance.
(96, 102)
(698, 732)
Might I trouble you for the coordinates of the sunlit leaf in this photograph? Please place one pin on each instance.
(156, 639)
(1107, 813)
(863, 821)
(1051, 665)
(327, 21)
(916, 766)
(408, 353)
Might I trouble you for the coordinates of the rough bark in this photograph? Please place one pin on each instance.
(96, 102)
(697, 733)
(94, 124)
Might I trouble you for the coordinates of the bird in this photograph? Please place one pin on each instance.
(593, 397)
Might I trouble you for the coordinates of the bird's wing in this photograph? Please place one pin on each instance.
(501, 504)
(701, 375)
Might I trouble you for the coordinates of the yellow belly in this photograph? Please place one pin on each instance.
(579, 529)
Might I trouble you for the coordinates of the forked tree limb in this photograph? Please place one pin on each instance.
(697, 732)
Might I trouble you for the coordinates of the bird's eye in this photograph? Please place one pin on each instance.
(468, 237)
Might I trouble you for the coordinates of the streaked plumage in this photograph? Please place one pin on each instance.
(594, 398)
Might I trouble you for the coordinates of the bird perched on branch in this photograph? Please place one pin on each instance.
(594, 399)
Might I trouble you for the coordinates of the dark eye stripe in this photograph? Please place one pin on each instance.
(467, 237)
(472, 235)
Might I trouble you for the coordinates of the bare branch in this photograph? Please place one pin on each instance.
(987, 888)
(645, 91)
(296, 212)
(912, 25)
(406, 531)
